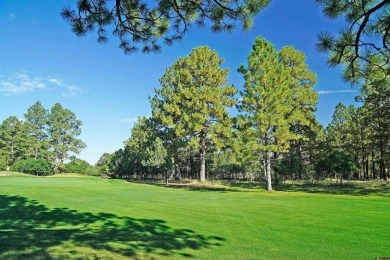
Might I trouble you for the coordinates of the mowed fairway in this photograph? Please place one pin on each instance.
(92, 218)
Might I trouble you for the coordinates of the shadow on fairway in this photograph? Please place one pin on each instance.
(354, 189)
(203, 187)
(29, 230)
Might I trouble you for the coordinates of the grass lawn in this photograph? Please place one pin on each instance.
(90, 218)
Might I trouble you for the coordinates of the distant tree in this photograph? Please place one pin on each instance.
(193, 101)
(119, 164)
(142, 136)
(104, 163)
(64, 128)
(37, 117)
(376, 97)
(148, 23)
(13, 140)
(76, 166)
(157, 157)
(336, 164)
(365, 37)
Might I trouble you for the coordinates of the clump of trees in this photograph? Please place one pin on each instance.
(43, 138)
(274, 134)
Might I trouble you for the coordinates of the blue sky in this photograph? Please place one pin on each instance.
(42, 60)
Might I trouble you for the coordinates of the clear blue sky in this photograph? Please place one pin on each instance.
(42, 60)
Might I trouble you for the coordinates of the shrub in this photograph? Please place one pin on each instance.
(33, 166)
(76, 166)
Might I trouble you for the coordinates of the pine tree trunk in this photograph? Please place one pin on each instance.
(300, 159)
(176, 165)
(373, 164)
(202, 173)
(268, 171)
(382, 164)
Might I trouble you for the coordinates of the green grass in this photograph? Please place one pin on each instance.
(89, 218)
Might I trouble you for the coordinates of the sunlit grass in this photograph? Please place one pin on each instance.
(89, 218)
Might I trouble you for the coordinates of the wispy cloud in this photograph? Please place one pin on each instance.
(19, 83)
(70, 89)
(11, 16)
(324, 92)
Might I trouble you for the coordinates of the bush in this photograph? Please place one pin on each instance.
(77, 166)
(3, 164)
(33, 166)
(93, 171)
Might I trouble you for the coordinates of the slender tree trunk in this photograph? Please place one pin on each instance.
(300, 165)
(364, 164)
(202, 172)
(383, 174)
(267, 169)
(373, 164)
(176, 165)
(366, 168)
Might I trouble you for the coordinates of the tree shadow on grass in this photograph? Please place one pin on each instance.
(190, 186)
(352, 188)
(29, 230)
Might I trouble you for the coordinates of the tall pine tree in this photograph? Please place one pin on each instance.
(193, 101)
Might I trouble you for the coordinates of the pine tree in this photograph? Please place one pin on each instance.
(365, 37)
(267, 104)
(149, 23)
(193, 101)
(36, 118)
(64, 128)
(304, 101)
(13, 140)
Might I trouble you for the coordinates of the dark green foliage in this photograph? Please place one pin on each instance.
(38, 166)
(37, 124)
(147, 24)
(64, 128)
(14, 141)
(76, 166)
(103, 163)
(337, 164)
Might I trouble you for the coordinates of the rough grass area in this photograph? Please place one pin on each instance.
(77, 217)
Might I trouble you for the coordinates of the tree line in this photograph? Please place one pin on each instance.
(42, 142)
(273, 135)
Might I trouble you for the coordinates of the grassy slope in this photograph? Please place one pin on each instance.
(46, 217)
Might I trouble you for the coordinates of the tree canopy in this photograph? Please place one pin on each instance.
(149, 23)
(365, 36)
(193, 100)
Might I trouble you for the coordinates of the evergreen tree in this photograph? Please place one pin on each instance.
(64, 128)
(157, 158)
(376, 97)
(193, 101)
(267, 103)
(13, 140)
(37, 117)
(304, 102)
